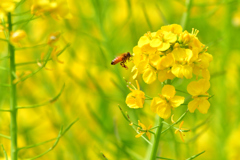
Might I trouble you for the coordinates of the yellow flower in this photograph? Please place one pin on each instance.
(167, 39)
(145, 65)
(162, 105)
(198, 90)
(140, 61)
(179, 130)
(182, 66)
(164, 67)
(184, 37)
(53, 38)
(1, 28)
(174, 28)
(58, 9)
(136, 98)
(143, 130)
(7, 6)
(144, 40)
(17, 36)
(236, 19)
(149, 74)
(201, 64)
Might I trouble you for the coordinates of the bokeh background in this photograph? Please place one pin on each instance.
(97, 32)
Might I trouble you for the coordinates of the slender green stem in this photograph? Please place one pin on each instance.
(4, 152)
(44, 103)
(4, 85)
(182, 116)
(13, 96)
(186, 14)
(5, 110)
(4, 136)
(4, 57)
(25, 20)
(38, 144)
(22, 13)
(156, 139)
(34, 62)
(152, 152)
(30, 47)
(1, 39)
(195, 156)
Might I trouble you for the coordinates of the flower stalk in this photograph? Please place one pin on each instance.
(13, 97)
(156, 138)
(158, 133)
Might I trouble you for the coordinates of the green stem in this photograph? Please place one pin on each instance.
(152, 152)
(185, 16)
(156, 139)
(13, 97)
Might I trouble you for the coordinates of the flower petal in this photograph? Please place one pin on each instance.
(135, 99)
(177, 70)
(149, 75)
(205, 85)
(193, 105)
(177, 101)
(203, 105)
(139, 134)
(155, 102)
(134, 72)
(206, 74)
(168, 91)
(194, 89)
(148, 135)
(155, 42)
(164, 111)
(187, 71)
(144, 40)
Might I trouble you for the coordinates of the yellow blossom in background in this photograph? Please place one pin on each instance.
(7, 6)
(162, 105)
(236, 19)
(53, 38)
(198, 90)
(57, 9)
(136, 98)
(1, 28)
(233, 144)
(144, 130)
(17, 36)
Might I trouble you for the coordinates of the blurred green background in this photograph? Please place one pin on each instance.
(98, 31)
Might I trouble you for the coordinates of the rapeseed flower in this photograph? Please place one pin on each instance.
(136, 98)
(180, 131)
(201, 65)
(143, 129)
(163, 104)
(57, 9)
(182, 66)
(17, 36)
(53, 38)
(7, 6)
(198, 90)
(170, 53)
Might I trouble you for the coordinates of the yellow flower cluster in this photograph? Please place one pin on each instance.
(7, 6)
(58, 9)
(170, 53)
(167, 54)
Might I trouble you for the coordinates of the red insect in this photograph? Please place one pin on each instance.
(122, 59)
